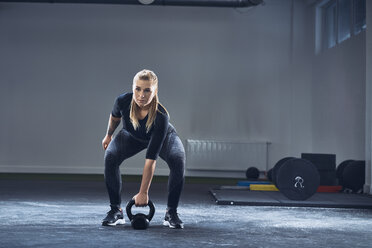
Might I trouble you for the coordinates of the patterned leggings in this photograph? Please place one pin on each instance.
(124, 145)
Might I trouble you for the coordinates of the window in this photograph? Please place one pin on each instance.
(359, 16)
(330, 25)
(344, 17)
(337, 21)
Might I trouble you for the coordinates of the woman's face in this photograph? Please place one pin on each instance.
(143, 92)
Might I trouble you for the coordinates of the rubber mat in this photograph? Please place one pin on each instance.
(239, 196)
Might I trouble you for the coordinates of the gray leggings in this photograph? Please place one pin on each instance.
(124, 145)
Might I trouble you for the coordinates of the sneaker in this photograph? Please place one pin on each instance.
(172, 220)
(114, 217)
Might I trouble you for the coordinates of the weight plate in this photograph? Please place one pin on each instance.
(322, 161)
(298, 179)
(340, 170)
(252, 173)
(328, 178)
(277, 166)
(269, 175)
(354, 175)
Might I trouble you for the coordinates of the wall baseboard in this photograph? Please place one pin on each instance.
(73, 170)
(54, 169)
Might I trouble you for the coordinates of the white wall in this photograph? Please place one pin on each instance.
(224, 74)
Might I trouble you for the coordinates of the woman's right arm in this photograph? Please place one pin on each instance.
(112, 125)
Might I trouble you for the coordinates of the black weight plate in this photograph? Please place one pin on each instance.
(270, 175)
(277, 166)
(354, 175)
(328, 178)
(298, 179)
(340, 170)
(252, 173)
(322, 162)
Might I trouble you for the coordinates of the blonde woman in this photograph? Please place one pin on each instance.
(145, 125)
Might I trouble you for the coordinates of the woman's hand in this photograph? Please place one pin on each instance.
(106, 141)
(141, 199)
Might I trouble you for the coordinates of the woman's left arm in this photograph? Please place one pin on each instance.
(153, 150)
(142, 198)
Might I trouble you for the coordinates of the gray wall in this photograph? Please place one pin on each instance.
(368, 184)
(338, 88)
(224, 74)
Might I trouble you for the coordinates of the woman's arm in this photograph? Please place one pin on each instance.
(153, 150)
(112, 125)
(142, 198)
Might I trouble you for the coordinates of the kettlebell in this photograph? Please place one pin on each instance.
(140, 221)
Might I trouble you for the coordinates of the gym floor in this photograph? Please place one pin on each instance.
(68, 213)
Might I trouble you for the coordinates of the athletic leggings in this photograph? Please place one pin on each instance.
(124, 145)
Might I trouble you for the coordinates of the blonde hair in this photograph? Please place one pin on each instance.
(146, 75)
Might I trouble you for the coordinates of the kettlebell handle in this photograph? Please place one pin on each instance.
(130, 205)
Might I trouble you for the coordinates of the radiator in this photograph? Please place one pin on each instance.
(226, 156)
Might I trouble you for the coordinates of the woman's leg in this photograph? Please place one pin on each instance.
(173, 153)
(120, 148)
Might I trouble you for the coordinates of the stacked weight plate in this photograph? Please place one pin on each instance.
(297, 179)
(351, 175)
(326, 165)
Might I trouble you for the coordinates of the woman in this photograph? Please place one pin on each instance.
(145, 125)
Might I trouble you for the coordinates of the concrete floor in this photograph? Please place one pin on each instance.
(41, 213)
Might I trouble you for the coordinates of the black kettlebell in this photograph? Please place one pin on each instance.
(140, 221)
